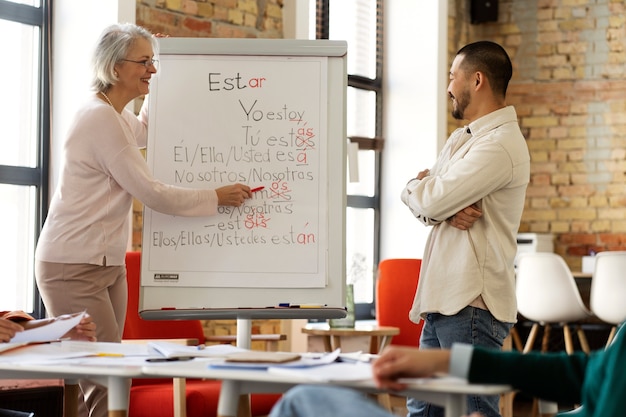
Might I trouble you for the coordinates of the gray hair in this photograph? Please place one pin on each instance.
(111, 48)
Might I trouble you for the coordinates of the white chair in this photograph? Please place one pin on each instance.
(608, 287)
(547, 294)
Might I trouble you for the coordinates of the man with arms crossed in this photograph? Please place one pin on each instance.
(473, 198)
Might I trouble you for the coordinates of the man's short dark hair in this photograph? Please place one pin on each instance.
(490, 59)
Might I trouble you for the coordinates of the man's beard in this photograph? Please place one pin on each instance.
(461, 104)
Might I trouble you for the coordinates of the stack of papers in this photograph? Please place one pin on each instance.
(304, 360)
(322, 367)
(262, 357)
(176, 350)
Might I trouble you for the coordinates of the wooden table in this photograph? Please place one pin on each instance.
(380, 336)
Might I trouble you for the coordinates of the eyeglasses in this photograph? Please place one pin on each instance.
(146, 62)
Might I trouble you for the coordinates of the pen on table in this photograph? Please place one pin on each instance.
(362, 358)
(254, 190)
(175, 359)
(109, 355)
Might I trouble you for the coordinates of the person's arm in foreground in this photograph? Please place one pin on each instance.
(405, 362)
(8, 329)
(85, 330)
(557, 377)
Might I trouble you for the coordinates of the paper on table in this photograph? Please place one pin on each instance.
(51, 331)
(358, 371)
(173, 350)
(80, 351)
(306, 360)
(255, 356)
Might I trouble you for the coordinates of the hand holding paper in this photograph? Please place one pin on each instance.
(52, 330)
(8, 329)
(84, 331)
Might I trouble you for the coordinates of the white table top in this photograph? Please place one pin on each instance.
(65, 371)
(199, 368)
(117, 372)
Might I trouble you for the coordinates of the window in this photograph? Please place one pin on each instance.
(359, 23)
(24, 134)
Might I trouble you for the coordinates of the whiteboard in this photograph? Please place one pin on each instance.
(267, 113)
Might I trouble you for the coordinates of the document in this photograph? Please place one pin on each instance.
(176, 350)
(340, 371)
(45, 333)
(78, 352)
(305, 360)
(255, 356)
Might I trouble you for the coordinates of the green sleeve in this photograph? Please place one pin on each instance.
(604, 391)
(550, 376)
(597, 381)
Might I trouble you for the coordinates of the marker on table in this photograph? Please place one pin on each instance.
(174, 359)
(308, 306)
(254, 190)
(109, 355)
(289, 305)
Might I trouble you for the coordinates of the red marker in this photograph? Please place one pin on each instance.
(254, 190)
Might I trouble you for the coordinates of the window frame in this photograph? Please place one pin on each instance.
(365, 311)
(40, 16)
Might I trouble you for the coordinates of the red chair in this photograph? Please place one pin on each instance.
(155, 397)
(395, 291)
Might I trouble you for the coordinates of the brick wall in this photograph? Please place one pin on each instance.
(206, 19)
(568, 88)
(569, 91)
(212, 18)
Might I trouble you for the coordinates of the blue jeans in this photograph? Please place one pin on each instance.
(473, 326)
(326, 401)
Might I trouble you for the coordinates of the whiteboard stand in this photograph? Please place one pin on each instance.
(244, 333)
(247, 116)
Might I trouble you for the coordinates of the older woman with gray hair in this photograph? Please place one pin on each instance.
(81, 251)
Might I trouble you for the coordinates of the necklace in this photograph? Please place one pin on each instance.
(107, 98)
